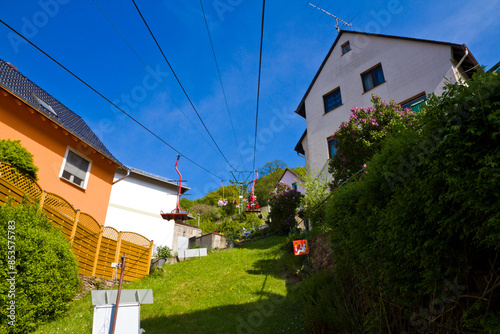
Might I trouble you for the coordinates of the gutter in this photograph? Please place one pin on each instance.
(128, 173)
(463, 58)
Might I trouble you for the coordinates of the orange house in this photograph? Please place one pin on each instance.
(73, 163)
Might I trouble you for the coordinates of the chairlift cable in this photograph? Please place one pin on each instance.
(106, 99)
(151, 72)
(180, 84)
(222, 86)
(258, 83)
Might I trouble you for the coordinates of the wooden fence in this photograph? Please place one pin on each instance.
(95, 246)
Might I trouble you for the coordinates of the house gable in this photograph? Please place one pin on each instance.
(361, 42)
(394, 68)
(49, 130)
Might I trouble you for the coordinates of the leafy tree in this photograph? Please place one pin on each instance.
(264, 185)
(313, 202)
(206, 212)
(15, 154)
(361, 137)
(186, 204)
(209, 226)
(272, 166)
(46, 273)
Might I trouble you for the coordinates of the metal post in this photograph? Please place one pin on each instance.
(113, 325)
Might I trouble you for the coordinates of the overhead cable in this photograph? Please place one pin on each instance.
(150, 72)
(222, 86)
(258, 83)
(180, 84)
(106, 99)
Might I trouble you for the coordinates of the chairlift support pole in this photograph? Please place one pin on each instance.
(238, 176)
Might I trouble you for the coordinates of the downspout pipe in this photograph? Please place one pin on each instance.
(463, 58)
(124, 177)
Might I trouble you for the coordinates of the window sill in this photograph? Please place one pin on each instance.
(345, 53)
(374, 88)
(333, 109)
(73, 184)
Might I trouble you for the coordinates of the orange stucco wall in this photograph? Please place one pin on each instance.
(48, 143)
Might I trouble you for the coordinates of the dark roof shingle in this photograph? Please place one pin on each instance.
(23, 88)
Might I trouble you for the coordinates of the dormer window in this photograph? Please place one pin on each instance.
(44, 104)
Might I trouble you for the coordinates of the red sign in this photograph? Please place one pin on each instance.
(300, 247)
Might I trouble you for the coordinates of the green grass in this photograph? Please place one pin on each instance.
(239, 290)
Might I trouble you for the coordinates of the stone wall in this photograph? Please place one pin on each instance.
(93, 283)
(186, 230)
(212, 240)
(320, 252)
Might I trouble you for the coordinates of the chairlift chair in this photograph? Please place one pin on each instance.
(234, 199)
(223, 201)
(253, 206)
(178, 213)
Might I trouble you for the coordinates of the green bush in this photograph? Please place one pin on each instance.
(284, 202)
(362, 136)
(15, 154)
(41, 264)
(316, 191)
(163, 252)
(332, 301)
(426, 214)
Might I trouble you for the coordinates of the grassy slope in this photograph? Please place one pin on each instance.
(240, 290)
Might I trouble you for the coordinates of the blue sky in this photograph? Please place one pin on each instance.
(296, 40)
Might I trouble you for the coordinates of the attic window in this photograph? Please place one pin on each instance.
(44, 104)
(346, 47)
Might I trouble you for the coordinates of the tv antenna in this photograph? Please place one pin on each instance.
(337, 19)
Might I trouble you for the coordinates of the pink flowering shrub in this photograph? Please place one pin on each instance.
(361, 137)
(284, 202)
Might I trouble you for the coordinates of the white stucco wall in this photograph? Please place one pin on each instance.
(409, 67)
(135, 205)
(289, 178)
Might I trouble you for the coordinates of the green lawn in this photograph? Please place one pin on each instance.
(239, 290)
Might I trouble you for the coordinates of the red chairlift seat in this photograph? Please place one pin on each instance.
(178, 213)
(253, 206)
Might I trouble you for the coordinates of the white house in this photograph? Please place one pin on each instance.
(292, 180)
(136, 202)
(358, 65)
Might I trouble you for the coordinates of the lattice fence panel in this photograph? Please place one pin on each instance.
(136, 238)
(21, 187)
(85, 247)
(23, 182)
(58, 203)
(106, 257)
(137, 264)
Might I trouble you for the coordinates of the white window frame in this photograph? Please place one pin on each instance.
(87, 174)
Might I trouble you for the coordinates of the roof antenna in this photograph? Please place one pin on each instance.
(336, 18)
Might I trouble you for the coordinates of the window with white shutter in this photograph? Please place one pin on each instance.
(75, 168)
